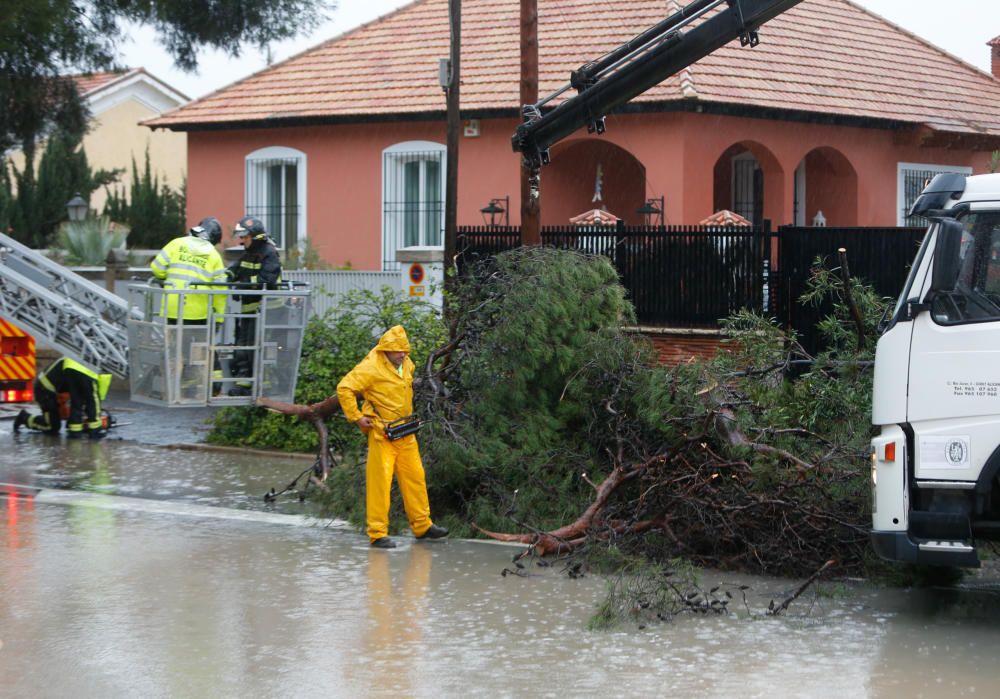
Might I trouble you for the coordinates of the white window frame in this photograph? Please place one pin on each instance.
(262, 155)
(900, 189)
(395, 157)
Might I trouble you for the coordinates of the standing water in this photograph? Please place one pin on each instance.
(124, 573)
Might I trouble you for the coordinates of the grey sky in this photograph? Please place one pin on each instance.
(960, 27)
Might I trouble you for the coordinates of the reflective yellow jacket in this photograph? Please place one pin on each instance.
(185, 261)
(377, 381)
(52, 377)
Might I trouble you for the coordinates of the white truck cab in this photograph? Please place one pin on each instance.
(935, 466)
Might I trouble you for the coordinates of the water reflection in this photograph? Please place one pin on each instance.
(20, 509)
(396, 601)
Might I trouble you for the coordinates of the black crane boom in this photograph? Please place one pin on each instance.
(637, 65)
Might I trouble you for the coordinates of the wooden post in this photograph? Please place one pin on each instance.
(531, 210)
(845, 275)
(454, 119)
(115, 268)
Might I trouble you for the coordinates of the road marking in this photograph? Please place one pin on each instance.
(124, 503)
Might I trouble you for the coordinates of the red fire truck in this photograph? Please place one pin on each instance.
(17, 364)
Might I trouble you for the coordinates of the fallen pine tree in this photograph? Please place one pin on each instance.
(552, 426)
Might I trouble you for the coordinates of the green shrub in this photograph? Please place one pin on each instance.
(153, 210)
(88, 242)
(34, 213)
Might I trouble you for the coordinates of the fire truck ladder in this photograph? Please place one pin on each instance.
(79, 318)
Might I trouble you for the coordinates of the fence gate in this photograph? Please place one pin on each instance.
(879, 256)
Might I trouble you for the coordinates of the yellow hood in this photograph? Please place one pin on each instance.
(394, 340)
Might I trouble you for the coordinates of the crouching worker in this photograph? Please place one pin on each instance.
(384, 379)
(86, 390)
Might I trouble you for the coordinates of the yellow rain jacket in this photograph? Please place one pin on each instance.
(388, 395)
(379, 382)
(185, 261)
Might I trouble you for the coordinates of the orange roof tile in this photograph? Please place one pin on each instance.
(595, 217)
(91, 82)
(725, 217)
(822, 57)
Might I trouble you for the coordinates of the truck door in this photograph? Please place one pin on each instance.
(953, 402)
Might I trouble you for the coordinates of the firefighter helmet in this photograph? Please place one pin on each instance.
(208, 229)
(250, 226)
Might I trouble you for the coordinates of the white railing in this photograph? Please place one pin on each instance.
(328, 286)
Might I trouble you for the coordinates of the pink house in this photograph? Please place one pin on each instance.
(836, 111)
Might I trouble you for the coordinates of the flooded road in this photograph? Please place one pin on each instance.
(178, 585)
(134, 460)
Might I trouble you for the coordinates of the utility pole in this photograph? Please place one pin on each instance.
(454, 118)
(531, 211)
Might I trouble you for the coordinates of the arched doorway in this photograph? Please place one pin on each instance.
(747, 180)
(826, 183)
(571, 184)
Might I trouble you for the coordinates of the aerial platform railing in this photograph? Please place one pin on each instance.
(74, 315)
(228, 358)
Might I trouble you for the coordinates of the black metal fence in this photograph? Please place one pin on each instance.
(682, 276)
(879, 256)
(692, 276)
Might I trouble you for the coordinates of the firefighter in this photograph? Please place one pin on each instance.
(384, 379)
(192, 259)
(258, 268)
(189, 260)
(86, 389)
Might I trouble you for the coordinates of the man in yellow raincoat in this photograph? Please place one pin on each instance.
(384, 379)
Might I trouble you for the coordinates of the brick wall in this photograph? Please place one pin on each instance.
(678, 346)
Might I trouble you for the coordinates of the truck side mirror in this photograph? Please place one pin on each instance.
(944, 274)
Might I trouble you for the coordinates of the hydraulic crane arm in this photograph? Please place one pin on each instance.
(636, 66)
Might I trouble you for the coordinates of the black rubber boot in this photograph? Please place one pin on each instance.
(384, 543)
(434, 532)
(21, 420)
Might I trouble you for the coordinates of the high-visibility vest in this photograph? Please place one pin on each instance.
(103, 380)
(186, 261)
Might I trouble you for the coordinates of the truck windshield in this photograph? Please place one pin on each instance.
(905, 294)
(976, 297)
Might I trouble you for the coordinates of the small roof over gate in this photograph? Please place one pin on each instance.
(725, 217)
(595, 217)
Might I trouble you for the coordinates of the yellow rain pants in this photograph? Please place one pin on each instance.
(403, 457)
